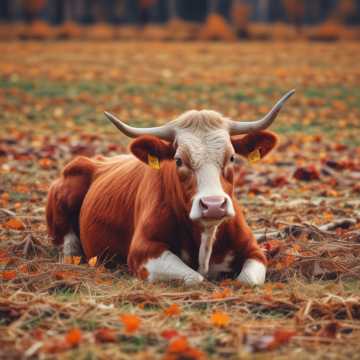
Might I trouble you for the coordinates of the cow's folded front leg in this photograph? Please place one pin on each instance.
(168, 266)
(253, 272)
(162, 266)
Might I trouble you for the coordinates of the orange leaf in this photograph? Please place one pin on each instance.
(180, 348)
(17, 205)
(75, 260)
(45, 163)
(142, 305)
(328, 216)
(73, 337)
(5, 197)
(4, 257)
(282, 337)
(222, 294)
(24, 268)
(230, 282)
(105, 335)
(179, 345)
(14, 224)
(271, 342)
(130, 322)
(169, 334)
(173, 310)
(92, 261)
(220, 318)
(9, 275)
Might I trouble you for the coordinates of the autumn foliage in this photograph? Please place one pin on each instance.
(302, 202)
(216, 28)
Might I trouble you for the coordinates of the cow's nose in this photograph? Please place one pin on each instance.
(213, 207)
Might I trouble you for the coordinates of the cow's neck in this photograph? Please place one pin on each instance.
(208, 237)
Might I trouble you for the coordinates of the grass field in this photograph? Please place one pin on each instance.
(52, 98)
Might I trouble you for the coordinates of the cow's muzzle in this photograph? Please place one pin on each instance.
(213, 207)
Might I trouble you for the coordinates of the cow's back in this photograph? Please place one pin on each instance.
(107, 212)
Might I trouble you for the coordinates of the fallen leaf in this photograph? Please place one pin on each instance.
(269, 342)
(75, 260)
(180, 348)
(307, 173)
(14, 224)
(105, 335)
(220, 319)
(45, 163)
(222, 294)
(92, 261)
(130, 322)
(330, 330)
(169, 334)
(178, 345)
(64, 275)
(9, 275)
(74, 337)
(173, 310)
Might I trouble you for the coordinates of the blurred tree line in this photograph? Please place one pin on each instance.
(298, 12)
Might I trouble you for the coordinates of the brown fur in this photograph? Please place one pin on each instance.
(121, 207)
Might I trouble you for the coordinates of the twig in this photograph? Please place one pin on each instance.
(263, 235)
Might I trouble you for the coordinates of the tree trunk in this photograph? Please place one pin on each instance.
(172, 9)
(5, 10)
(213, 6)
(68, 10)
(263, 9)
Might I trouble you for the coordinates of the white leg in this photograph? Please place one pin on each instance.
(252, 273)
(169, 267)
(72, 245)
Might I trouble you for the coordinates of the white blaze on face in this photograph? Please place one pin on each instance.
(206, 151)
(209, 185)
(204, 138)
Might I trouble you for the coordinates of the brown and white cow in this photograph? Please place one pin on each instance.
(168, 209)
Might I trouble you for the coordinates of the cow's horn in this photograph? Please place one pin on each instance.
(237, 128)
(164, 132)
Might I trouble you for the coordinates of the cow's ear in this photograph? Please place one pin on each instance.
(151, 150)
(261, 143)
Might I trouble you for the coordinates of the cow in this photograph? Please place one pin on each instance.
(167, 209)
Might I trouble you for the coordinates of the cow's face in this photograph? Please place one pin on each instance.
(204, 154)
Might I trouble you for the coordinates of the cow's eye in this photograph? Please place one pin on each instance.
(232, 158)
(178, 162)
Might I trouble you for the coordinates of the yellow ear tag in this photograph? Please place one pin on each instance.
(254, 156)
(153, 162)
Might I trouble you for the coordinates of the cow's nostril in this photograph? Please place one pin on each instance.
(203, 206)
(223, 205)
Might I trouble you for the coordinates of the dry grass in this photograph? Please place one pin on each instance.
(52, 97)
